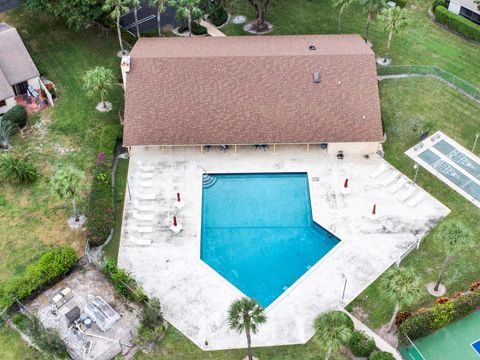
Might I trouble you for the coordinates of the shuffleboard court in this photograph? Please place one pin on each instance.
(459, 158)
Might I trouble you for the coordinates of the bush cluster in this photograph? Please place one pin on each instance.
(360, 344)
(401, 317)
(457, 23)
(218, 15)
(439, 3)
(17, 115)
(381, 355)
(124, 283)
(401, 3)
(426, 322)
(197, 29)
(17, 170)
(100, 205)
(48, 268)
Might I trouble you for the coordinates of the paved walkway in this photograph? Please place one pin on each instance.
(211, 29)
(381, 344)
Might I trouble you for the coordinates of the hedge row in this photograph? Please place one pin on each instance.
(441, 314)
(48, 268)
(197, 29)
(457, 23)
(124, 283)
(100, 206)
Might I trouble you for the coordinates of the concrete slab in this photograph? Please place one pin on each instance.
(195, 299)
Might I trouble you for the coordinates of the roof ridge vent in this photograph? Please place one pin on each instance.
(316, 77)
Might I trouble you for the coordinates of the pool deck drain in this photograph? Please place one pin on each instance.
(195, 299)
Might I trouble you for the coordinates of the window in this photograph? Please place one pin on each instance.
(3, 103)
(470, 15)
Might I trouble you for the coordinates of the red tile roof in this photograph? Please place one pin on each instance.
(251, 90)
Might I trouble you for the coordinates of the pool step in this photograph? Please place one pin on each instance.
(208, 181)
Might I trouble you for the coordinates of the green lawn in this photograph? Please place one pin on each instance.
(111, 249)
(31, 219)
(14, 348)
(408, 107)
(423, 42)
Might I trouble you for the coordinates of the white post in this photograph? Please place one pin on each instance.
(475, 143)
(416, 167)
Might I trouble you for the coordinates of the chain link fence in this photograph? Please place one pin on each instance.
(431, 70)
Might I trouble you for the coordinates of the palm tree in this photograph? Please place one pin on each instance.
(401, 286)
(116, 9)
(98, 80)
(136, 5)
(332, 328)
(342, 5)
(395, 20)
(260, 14)
(187, 9)
(160, 5)
(7, 130)
(453, 237)
(373, 8)
(245, 315)
(68, 183)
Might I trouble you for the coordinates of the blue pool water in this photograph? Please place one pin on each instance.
(258, 232)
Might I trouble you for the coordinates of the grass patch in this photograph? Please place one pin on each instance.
(408, 107)
(423, 42)
(13, 348)
(111, 249)
(31, 218)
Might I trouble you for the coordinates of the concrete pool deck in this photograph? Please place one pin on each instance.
(195, 299)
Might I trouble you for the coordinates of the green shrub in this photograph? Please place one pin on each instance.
(7, 130)
(439, 3)
(152, 314)
(401, 3)
(218, 15)
(418, 325)
(466, 305)
(443, 314)
(457, 23)
(197, 29)
(124, 283)
(381, 355)
(49, 267)
(17, 115)
(361, 345)
(100, 206)
(17, 170)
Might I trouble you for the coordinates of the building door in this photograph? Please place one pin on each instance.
(20, 88)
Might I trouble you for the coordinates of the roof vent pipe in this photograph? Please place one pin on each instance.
(312, 47)
(316, 77)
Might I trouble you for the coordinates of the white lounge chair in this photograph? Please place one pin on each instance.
(397, 186)
(416, 199)
(146, 183)
(141, 242)
(143, 229)
(146, 175)
(142, 217)
(408, 192)
(147, 168)
(388, 180)
(146, 196)
(144, 207)
(379, 170)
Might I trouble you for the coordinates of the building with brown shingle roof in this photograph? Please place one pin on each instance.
(313, 89)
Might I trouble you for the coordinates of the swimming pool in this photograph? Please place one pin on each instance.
(258, 232)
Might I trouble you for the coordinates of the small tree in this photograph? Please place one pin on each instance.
(187, 9)
(260, 14)
(373, 8)
(116, 9)
(68, 183)
(395, 20)
(98, 80)
(136, 5)
(453, 236)
(342, 5)
(245, 315)
(160, 5)
(7, 130)
(332, 328)
(401, 286)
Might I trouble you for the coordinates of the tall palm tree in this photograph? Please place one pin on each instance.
(245, 315)
(136, 5)
(342, 5)
(373, 8)
(332, 328)
(68, 183)
(116, 9)
(395, 20)
(453, 236)
(187, 9)
(402, 286)
(160, 5)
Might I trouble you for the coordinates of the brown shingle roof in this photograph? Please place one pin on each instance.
(251, 90)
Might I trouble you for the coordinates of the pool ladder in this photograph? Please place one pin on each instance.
(208, 180)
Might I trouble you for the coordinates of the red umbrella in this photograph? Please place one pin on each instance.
(374, 210)
(174, 221)
(345, 185)
(178, 197)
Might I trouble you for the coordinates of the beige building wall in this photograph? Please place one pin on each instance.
(10, 102)
(455, 6)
